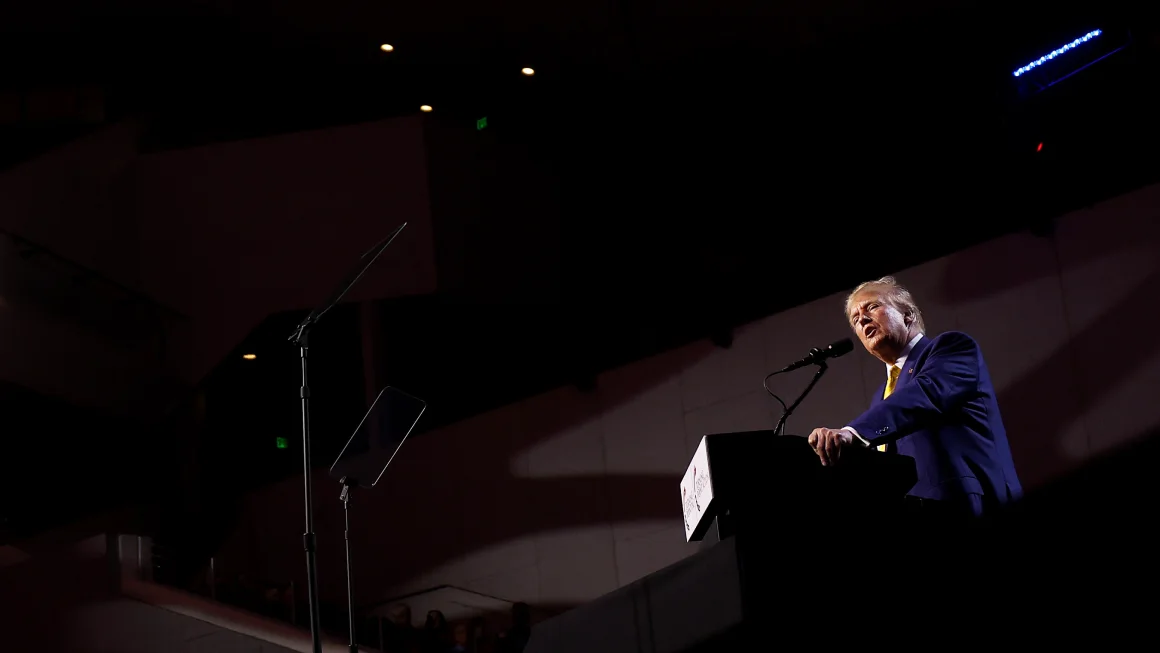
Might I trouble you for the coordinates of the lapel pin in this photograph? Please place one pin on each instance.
(910, 371)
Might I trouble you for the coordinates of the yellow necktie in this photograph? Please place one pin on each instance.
(891, 381)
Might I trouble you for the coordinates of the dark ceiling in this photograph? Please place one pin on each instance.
(208, 71)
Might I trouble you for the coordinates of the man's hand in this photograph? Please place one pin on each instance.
(828, 443)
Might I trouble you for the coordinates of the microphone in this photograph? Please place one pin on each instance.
(816, 356)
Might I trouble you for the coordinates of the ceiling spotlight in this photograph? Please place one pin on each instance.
(249, 357)
(426, 108)
(528, 71)
(387, 47)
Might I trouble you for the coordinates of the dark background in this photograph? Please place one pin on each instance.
(662, 178)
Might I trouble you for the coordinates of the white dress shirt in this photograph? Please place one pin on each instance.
(899, 364)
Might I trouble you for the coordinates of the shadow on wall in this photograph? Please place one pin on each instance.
(1033, 406)
(462, 491)
(491, 502)
(1051, 416)
(495, 505)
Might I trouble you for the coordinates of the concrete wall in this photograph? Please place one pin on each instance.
(566, 496)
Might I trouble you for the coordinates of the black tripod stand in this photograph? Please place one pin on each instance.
(301, 338)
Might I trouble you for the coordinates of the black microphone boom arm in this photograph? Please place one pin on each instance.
(817, 356)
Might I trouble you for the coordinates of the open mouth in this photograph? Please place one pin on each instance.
(870, 331)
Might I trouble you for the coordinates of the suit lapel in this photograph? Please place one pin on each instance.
(906, 374)
(913, 360)
(908, 370)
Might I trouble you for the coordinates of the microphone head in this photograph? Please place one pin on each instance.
(841, 347)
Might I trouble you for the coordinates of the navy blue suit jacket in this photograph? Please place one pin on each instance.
(944, 414)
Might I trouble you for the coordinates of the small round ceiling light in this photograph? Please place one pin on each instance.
(426, 108)
(528, 71)
(387, 47)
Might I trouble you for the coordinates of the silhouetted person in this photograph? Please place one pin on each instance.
(436, 637)
(399, 634)
(477, 636)
(462, 638)
(516, 638)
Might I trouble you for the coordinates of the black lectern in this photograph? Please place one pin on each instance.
(787, 544)
(744, 481)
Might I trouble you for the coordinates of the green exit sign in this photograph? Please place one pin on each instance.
(281, 443)
(481, 123)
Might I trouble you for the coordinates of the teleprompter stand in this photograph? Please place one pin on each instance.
(364, 460)
(348, 485)
(301, 338)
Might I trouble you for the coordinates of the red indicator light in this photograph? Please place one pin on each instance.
(1039, 148)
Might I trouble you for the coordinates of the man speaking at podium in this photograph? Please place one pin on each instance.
(936, 404)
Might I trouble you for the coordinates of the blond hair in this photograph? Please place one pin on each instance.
(896, 294)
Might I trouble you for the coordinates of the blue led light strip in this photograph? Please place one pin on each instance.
(1058, 52)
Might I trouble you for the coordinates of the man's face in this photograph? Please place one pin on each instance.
(880, 326)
